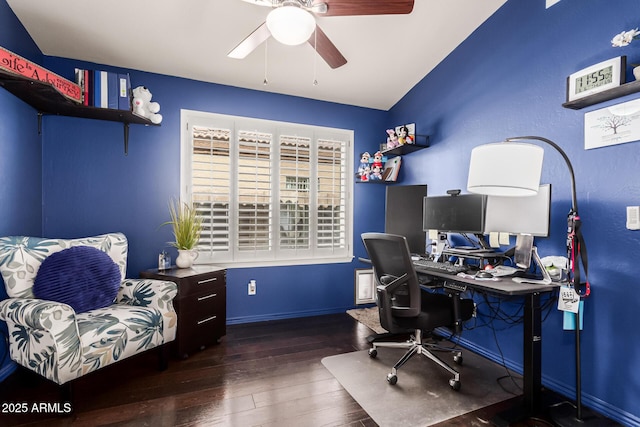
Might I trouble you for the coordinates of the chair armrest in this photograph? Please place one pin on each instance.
(147, 293)
(391, 283)
(389, 286)
(38, 314)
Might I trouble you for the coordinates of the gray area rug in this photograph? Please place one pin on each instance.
(422, 396)
(368, 317)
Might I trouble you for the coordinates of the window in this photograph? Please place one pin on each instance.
(269, 193)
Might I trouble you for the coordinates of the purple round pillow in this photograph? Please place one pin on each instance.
(83, 277)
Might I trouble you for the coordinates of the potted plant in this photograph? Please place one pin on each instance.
(186, 227)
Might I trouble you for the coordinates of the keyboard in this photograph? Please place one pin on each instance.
(425, 265)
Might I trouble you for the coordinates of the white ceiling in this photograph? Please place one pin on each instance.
(387, 54)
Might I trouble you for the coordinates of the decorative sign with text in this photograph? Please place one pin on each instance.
(18, 65)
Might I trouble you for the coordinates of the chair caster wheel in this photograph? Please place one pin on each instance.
(373, 353)
(392, 379)
(455, 384)
(458, 359)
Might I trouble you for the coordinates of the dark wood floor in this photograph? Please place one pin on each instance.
(261, 374)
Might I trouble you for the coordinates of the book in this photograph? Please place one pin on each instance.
(391, 169)
(112, 90)
(124, 92)
(103, 89)
(97, 88)
(80, 82)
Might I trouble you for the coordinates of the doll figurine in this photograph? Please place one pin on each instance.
(405, 137)
(392, 139)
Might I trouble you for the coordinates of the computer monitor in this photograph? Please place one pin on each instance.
(463, 213)
(403, 214)
(520, 215)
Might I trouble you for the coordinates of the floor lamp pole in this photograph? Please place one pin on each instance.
(560, 415)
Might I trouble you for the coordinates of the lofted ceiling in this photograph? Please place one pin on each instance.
(386, 54)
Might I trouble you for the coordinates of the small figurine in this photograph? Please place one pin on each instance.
(392, 139)
(363, 169)
(405, 137)
(376, 172)
(365, 174)
(377, 160)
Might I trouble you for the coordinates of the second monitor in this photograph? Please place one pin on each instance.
(520, 215)
(463, 213)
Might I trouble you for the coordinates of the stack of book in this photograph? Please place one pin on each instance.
(104, 89)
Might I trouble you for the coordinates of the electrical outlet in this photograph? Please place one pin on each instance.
(251, 287)
(633, 217)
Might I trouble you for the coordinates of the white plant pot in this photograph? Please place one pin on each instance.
(186, 258)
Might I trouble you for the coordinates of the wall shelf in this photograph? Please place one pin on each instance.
(607, 95)
(408, 148)
(399, 151)
(47, 100)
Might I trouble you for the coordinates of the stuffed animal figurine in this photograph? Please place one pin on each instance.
(377, 160)
(364, 162)
(392, 139)
(142, 105)
(405, 137)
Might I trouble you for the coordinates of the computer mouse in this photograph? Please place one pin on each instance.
(482, 274)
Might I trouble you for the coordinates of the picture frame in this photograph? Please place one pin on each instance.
(597, 78)
(364, 286)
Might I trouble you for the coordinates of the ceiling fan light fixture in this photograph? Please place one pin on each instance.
(291, 25)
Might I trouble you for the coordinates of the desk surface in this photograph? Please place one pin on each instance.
(503, 286)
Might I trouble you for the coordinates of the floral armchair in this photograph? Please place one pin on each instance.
(54, 339)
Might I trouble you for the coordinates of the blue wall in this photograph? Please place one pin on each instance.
(20, 158)
(507, 79)
(91, 187)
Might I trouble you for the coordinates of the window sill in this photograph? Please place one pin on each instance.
(280, 263)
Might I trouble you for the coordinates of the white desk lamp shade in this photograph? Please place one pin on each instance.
(505, 169)
(291, 25)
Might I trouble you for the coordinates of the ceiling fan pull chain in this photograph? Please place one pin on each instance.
(266, 52)
(315, 57)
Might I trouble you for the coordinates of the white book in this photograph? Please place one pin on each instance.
(104, 90)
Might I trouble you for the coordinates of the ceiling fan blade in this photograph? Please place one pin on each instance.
(366, 7)
(268, 3)
(252, 41)
(326, 49)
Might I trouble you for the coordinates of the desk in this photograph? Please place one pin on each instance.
(532, 334)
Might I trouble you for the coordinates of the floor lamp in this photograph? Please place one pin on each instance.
(511, 168)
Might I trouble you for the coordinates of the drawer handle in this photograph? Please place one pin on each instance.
(200, 322)
(207, 297)
(213, 279)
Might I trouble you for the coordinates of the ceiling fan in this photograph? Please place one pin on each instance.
(293, 22)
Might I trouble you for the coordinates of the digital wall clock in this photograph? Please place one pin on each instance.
(596, 78)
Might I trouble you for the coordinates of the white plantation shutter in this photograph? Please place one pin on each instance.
(331, 202)
(268, 192)
(211, 186)
(254, 197)
(295, 174)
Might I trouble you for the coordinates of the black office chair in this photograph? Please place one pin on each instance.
(406, 308)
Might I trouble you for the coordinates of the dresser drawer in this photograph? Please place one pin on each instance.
(204, 305)
(202, 285)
